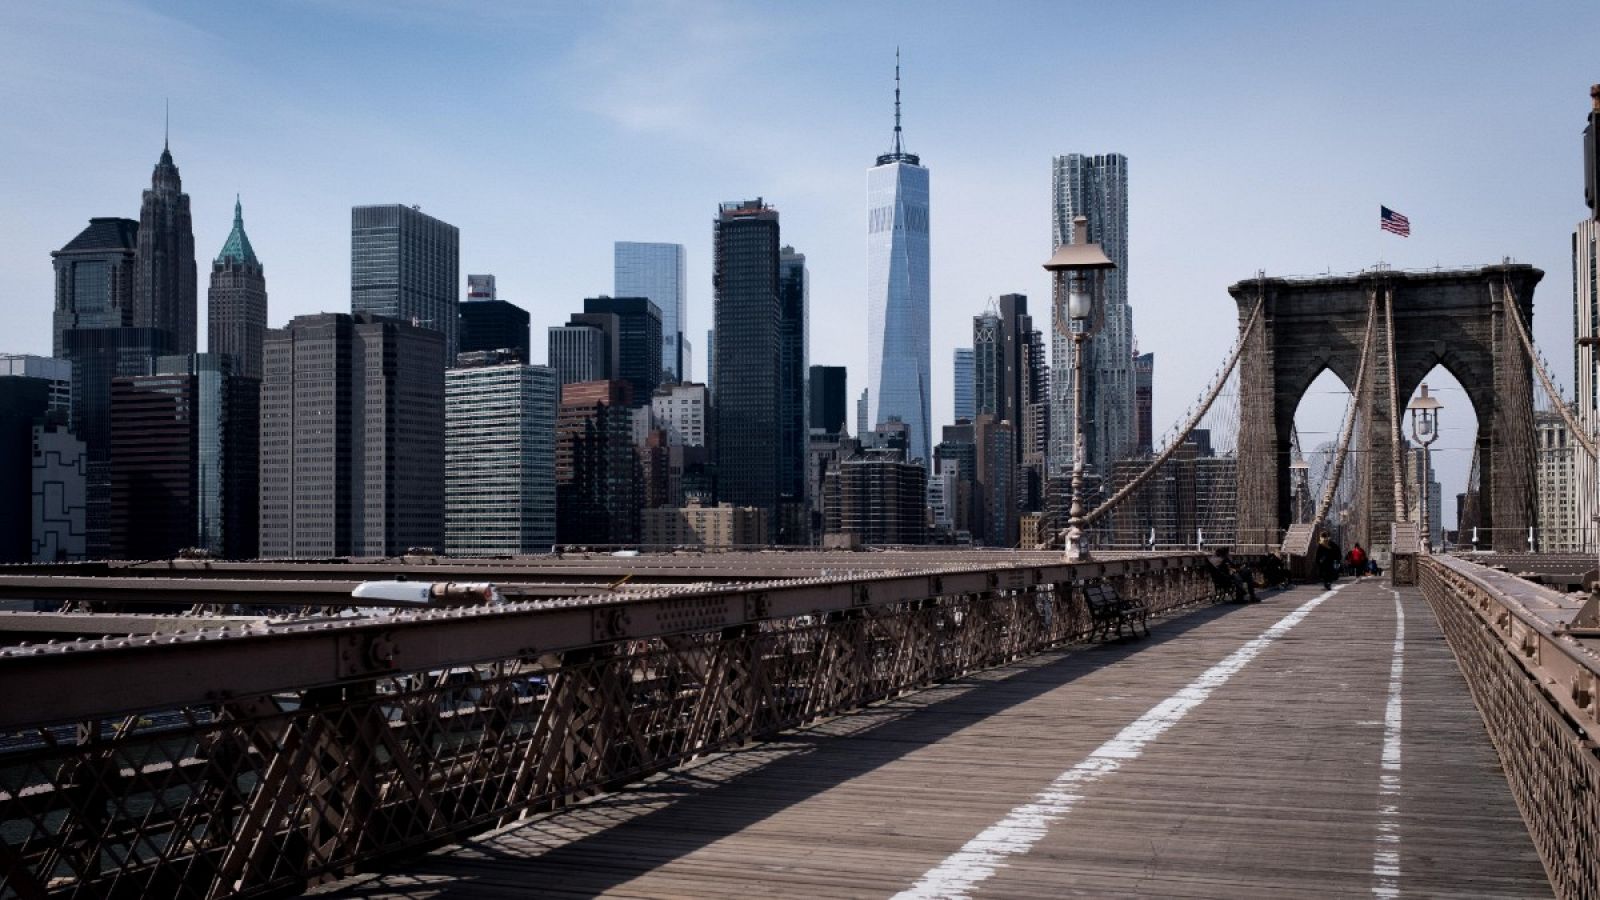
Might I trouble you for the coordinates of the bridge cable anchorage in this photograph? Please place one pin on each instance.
(1331, 484)
(1508, 297)
(1198, 413)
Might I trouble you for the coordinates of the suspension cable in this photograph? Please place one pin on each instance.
(1401, 501)
(1332, 483)
(1189, 426)
(1508, 297)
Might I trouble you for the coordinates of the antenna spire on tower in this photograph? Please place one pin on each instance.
(897, 149)
(166, 127)
(898, 152)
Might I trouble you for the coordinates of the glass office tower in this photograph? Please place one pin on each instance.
(500, 456)
(405, 264)
(897, 291)
(656, 272)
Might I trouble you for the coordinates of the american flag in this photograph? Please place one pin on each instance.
(1393, 222)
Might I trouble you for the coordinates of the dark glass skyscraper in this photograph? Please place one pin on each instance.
(94, 279)
(829, 408)
(794, 301)
(597, 472)
(747, 320)
(23, 405)
(1008, 364)
(98, 356)
(638, 342)
(165, 289)
(405, 264)
(491, 324)
(400, 377)
(236, 307)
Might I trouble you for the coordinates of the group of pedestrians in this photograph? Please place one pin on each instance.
(1330, 564)
(1239, 580)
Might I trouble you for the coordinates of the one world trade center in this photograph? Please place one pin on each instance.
(897, 290)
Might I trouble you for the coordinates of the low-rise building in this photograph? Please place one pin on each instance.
(711, 527)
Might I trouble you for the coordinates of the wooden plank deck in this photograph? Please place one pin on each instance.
(1158, 768)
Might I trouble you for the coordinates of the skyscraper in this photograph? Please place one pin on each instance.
(1144, 373)
(164, 289)
(405, 264)
(94, 279)
(23, 404)
(577, 353)
(401, 380)
(184, 460)
(308, 438)
(500, 456)
(1095, 187)
(55, 372)
(828, 399)
(352, 437)
(897, 289)
(637, 342)
(1586, 324)
(794, 358)
(1008, 373)
(748, 326)
(964, 406)
(597, 474)
(236, 307)
(60, 506)
(489, 323)
(656, 272)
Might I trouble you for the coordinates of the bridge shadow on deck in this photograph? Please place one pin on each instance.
(605, 843)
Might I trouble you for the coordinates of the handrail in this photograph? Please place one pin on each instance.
(110, 676)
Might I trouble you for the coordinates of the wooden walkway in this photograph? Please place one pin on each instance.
(1272, 750)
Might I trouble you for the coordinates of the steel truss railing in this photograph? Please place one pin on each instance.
(1534, 681)
(257, 763)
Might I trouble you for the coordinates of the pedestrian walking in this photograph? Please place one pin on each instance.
(1328, 560)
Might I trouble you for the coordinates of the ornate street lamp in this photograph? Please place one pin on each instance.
(1072, 269)
(1299, 475)
(1425, 430)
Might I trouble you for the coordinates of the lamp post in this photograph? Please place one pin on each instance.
(1425, 429)
(1299, 473)
(1071, 268)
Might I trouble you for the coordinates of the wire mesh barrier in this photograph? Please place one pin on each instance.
(1534, 685)
(257, 764)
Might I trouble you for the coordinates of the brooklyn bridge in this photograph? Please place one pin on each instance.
(916, 723)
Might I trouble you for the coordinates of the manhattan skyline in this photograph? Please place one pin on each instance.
(546, 136)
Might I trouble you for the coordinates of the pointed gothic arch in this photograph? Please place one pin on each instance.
(1456, 319)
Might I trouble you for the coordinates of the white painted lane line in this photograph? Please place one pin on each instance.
(1024, 826)
(1386, 855)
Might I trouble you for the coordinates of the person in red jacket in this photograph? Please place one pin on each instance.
(1356, 561)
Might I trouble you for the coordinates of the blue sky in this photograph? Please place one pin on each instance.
(1260, 136)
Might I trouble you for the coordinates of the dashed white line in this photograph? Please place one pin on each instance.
(1386, 855)
(1025, 825)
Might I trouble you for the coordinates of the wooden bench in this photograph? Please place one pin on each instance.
(1109, 610)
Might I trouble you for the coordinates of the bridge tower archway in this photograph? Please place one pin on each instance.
(1418, 320)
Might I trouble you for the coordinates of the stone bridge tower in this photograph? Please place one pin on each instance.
(1455, 319)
